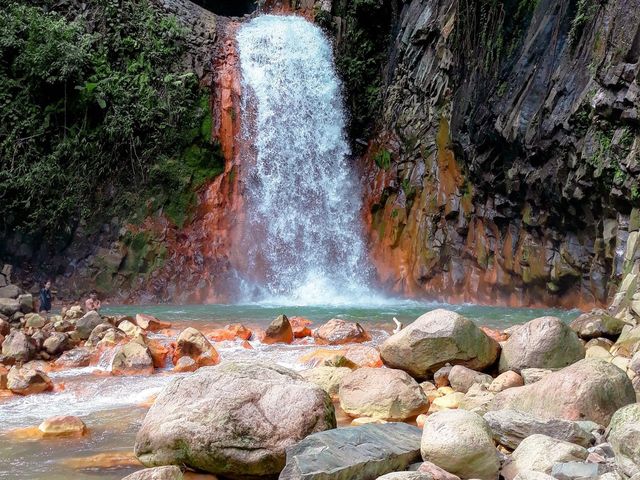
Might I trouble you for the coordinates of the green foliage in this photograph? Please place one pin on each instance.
(360, 58)
(586, 11)
(383, 159)
(95, 106)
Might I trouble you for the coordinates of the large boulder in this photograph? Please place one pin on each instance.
(234, 420)
(10, 291)
(18, 347)
(34, 320)
(170, 472)
(26, 381)
(590, 389)
(510, 427)
(26, 302)
(86, 324)
(381, 393)
(355, 453)
(132, 359)
(279, 331)
(545, 342)
(338, 332)
(327, 378)
(460, 442)
(78, 357)
(437, 338)
(63, 426)
(539, 453)
(624, 436)
(598, 323)
(192, 343)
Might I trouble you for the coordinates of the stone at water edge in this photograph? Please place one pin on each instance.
(63, 426)
(460, 442)
(462, 378)
(436, 338)
(158, 352)
(234, 419)
(74, 312)
(539, 453)
(78, 357)
(545, 342)
(624, 436)
(511, 427)
(356, 453)
(338, 332)
(382, 393)
(26, 381)
(590, 389)
(192, 343)
(157, 473)
(300, 327)
(129, 328)
(18, 347)
(150, 323)
(327, 378)
(86, 324)
(186, 364)
(279, 331)
(132, 359)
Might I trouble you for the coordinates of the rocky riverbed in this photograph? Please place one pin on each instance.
(443, 398)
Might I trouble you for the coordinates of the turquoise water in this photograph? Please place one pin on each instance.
(379, 315)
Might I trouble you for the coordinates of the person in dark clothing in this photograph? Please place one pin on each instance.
(45, 297)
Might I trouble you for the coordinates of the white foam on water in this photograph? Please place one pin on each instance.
(304, 233)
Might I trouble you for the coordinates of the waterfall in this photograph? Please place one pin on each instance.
(303, 239)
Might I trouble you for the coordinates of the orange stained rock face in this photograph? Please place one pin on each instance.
(497, 335)
(230, 332)
(150, 323)
(300, 326)
(247, 345)
(159, 353)
(103, 461)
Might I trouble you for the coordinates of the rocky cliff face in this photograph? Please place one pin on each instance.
(506, 167)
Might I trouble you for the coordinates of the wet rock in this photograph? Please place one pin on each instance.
(590, 389)
(56, 343)
(508, 379)
(201, 420)
(279, 331)
(129, 328)
(460, 443)
(186, 364)
(510, 427)
(598, 323)
(9, 307)
(356, 453)
(150, 323)
(327, 378)
(462, 378)
(63, 426)
(170, 472)
(624, 436)
(387, 394)
(436, 472)
(300, 327)
(86, 324)
(539, 453)
(339, 361)
(78, 357)
(360, 355)
(26, 381)
(159, 353)
(437, 338)
(18, 347)
(132, 359)
(545, 342)
(339, 332)
(231, 332)
(192, 343)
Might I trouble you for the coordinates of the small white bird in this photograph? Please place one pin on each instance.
(399, 325)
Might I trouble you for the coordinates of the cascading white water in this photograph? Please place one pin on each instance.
(303, 233)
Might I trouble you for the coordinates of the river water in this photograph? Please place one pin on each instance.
(113, 407)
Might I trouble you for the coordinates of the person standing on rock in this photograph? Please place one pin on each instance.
(92, 303)
(45, 297)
